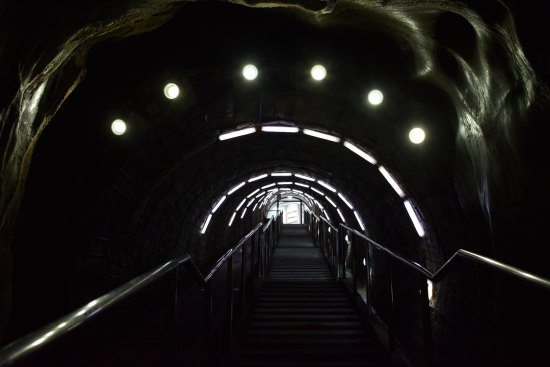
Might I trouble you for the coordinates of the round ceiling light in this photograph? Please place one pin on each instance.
(118, 127)
(318, 72)
(417, 135)
(171, 91)
(250, 72)
(375, 97)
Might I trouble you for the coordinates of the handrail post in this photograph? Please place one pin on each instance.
(252, 258)
(368, 268)
(337, 254)
(243, 277)
(426, 321)
(391, 329)
(354, 266)
(230, 301)
(342, 259)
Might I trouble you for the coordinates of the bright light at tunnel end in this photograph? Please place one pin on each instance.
(417, 135)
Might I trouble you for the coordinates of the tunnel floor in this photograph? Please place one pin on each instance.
(303, 317)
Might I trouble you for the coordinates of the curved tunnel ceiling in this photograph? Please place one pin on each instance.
(429, 75)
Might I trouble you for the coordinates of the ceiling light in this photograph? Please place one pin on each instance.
(317, 191)
(255, 206)
(417, 135)
(272, 190)
(171, 91)
(118, 127)
(341, 216)
(324, 184)
(414, 218)
(307, 178)
(284, 183)
(203, 229)
(280, 129)
(281, 174)
(241, 204)
(219, 203)
(359, 220)
(250, 202)
(326, 215)
(391, 181)
(359, 152)
(237, 133)
(331, 202)
(266, 186)
(244, 212)
(257, 178)
(345, 201)
(232, 219)
(375, 97)
(300, 184)
(321, 135)
(253, 193)
(236, 188)
(250, 72)
(298, 191)
(318, 72)
(260, 194)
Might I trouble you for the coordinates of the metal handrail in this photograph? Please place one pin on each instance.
(447, 266)
(323, 219)
(62, 326)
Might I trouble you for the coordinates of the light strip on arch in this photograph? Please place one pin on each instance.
(347, 144)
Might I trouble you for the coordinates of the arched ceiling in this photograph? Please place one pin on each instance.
(457, 70)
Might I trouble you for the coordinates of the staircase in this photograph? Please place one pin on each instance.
(302, 317)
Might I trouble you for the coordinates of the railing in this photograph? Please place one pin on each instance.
(260, 242)
(339, 243)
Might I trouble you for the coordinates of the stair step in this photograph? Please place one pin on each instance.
(320, 363)
(272, 325)
(322, 333)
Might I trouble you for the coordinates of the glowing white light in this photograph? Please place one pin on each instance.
(391, 181)
(284, 183)
(320, 135)
(284, 189)
(430, 290)
(258, 178)
(318, 72)
(237, 133)
(250, 72)
(220, 202)
(319, 204)
(281, 174)
(317, 191)
(240, 205)
(266, 186)
(326, 215)
(82, 312)
(326, 185)
(280, 129)
(255, 206)
(273, 190)
(250, 202)
(364, 262)
(171, 91)
(329, 230)
(359, 152)
(345, 201)
(417, 135)
(252, 193)
(298, 191)
(301, 184)
(346, 238)
(244, 212)
(307, 178)
(331, 202)
(375, 97)
(309, 196)
(118, 127)
(203, 229)
(232, 219)
(359, 220)
(414, 218)
(340, 214)
(61, 326)
(260, 194)
(236, 188)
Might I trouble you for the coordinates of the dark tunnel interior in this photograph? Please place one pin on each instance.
(99, 209)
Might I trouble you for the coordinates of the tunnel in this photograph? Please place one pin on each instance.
(142, 140)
